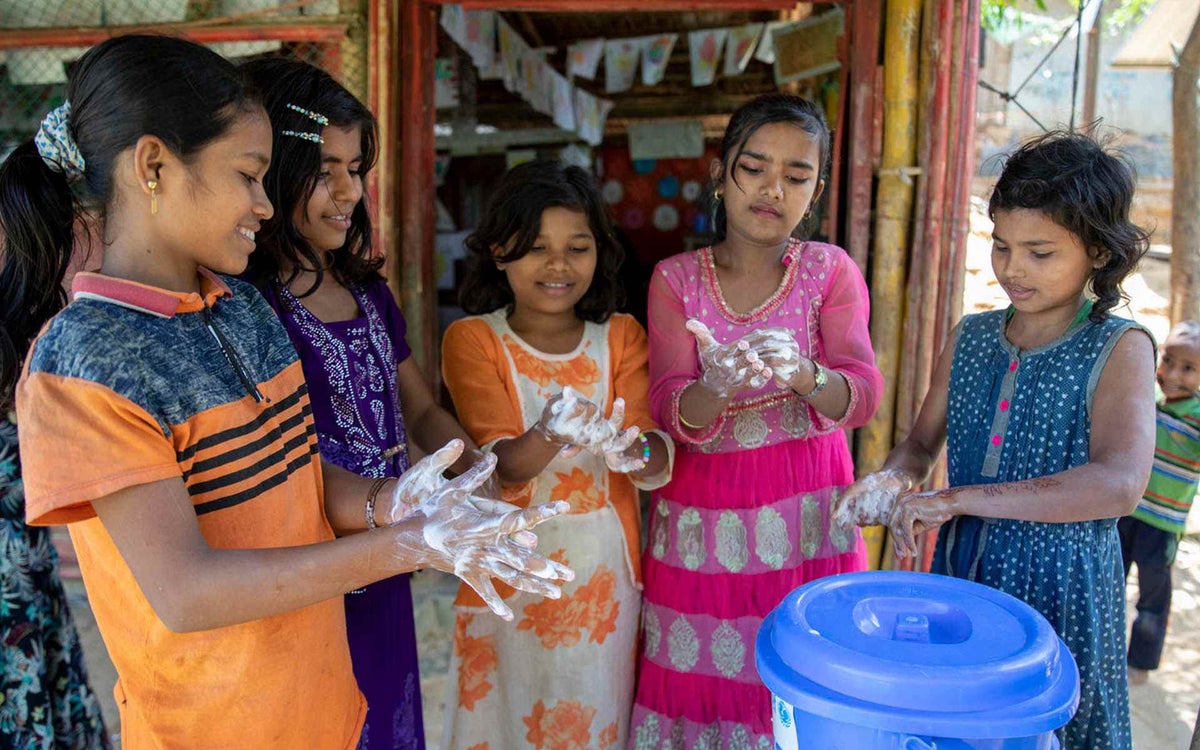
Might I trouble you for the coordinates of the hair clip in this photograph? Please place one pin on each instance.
(314, 137)
(316, 117)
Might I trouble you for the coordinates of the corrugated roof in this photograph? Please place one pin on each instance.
(1164, 30)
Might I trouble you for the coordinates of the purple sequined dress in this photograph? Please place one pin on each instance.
(350, 367)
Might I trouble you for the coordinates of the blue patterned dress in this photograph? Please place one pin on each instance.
(1014, 415)
(45, 701)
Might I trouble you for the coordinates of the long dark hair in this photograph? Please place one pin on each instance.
(745, 122)
(1085, 189)
(122, 89)
(515, 211)
(295, 170)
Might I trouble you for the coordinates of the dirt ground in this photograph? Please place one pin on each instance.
(1163, 710)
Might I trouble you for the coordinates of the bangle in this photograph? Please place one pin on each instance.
(372, 494)
(688, 424)
(645, 448)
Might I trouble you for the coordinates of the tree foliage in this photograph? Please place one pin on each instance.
(1118, 14)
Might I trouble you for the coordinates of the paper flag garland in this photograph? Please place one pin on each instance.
(563, 101)
(583, 58)
(620, 64)
(590, 116)
(656, 53)
(740, 47)
(766, 46)
(704, 49)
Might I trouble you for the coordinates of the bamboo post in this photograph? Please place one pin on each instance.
(893, 221)
(1185, 221)
(963, 165)
(864, 61)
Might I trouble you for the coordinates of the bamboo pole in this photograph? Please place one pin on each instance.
(893, 217)
(1185, 222)
(864, 62)
(964, 165)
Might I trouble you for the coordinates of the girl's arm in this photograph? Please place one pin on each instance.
(1108, 486)
(631, 382)
(472, 363)
(428, 424)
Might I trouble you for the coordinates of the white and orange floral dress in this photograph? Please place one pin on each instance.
(561, 674)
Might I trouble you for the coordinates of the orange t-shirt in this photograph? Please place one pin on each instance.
(130, 385)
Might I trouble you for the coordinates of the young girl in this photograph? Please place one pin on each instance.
(164, 416)
(315, 266)
(1047, 412)
(762, 418)
(532, 374)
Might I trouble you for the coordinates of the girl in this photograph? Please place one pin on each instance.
(746, 517)
(164, 416)
(315, 266)
(532, 374)
(1047, 412)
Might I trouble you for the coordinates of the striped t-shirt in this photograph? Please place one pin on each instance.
(1172, 487)
(132, 385)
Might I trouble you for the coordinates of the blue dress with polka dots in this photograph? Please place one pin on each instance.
(1017, 414)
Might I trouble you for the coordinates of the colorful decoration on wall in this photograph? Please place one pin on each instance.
(656, 53)
(612, 192)
(620, 64)
(739, 48)
(666, 218)
(668, 187)
(704, 48)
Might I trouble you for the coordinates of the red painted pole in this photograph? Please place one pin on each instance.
(321, 32)
(865, 23)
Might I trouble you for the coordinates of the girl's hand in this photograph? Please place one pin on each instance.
(778, 349)
(475, 538)
(915, 514)
(623, 452)
(573, 420)
(869, 501)
(727, 368)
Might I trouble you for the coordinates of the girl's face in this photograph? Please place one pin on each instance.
(324, 219)
(212, 219)
(777, 182)
(1041, 265)
(557, 271)
(1179, 368)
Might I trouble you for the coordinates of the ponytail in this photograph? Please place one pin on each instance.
(37, 216)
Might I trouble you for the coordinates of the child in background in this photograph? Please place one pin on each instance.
(1150, 536)
(761, 418)
(164, 416)
(315, 266)
(532, 374)
(1045, 411)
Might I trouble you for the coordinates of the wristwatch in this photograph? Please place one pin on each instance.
(820, 380)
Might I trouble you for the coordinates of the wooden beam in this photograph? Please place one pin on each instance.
(321, 31)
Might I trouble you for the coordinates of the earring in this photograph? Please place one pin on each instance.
(153, 185)
(717, 195)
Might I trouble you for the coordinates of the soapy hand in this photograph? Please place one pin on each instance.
(917, 513)
(869, 501)
(619, 453)
(475, 538)
(727, 368)
(778, 349)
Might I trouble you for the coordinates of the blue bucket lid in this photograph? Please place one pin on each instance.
(919, 653)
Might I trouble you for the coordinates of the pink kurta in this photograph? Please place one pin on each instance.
(745, 519)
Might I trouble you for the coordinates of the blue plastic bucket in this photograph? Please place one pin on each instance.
(913, 661)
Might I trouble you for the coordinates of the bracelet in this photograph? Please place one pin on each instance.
(688, 424)
(645, 448)
(820, 380)
(372, 494)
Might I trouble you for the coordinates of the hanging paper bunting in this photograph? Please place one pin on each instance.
(620, 64)
(765, 52)
(590, 116)
(740, 47)
(656, 53)
(512, 51)
(704, 49)
(563, 103)
(454, 20)
(479, 37)
(583, 58)
(537, 87)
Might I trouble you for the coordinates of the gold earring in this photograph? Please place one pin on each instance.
(153, 185)
(717, 195)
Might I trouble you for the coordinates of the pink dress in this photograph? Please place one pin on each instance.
(745, 519)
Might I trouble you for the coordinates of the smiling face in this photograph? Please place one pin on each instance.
(324, 219)
(557, 271)
(1178, 371)
(772, 185)
(224, 204)
(1041, 265)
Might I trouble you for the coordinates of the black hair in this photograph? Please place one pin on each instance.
(295, 173)
(745, 122)
(1085, 189)
(120, 90)
(515, 214)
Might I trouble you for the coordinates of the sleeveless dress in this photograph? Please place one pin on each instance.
(350, 368)
(1019, 414)
(745, 519)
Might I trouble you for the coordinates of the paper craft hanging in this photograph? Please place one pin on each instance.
(563, 103)
(537, 88)
(656, 53)
(620, 64)
(740, 47)
(479, 37)
(765, 51)
(512, 49)
(704, 49)
(454, 20)
(590, 115)
(583, 58)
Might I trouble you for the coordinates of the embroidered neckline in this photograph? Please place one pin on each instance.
(502, 327)
(791, 263)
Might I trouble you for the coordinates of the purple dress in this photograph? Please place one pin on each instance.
(350, 368)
